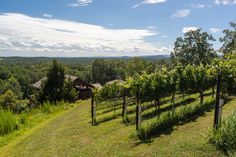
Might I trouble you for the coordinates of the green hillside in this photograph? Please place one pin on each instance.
(71, 134)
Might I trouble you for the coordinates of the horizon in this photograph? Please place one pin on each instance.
(92, 28)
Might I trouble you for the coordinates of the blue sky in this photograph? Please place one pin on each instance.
(106, 27)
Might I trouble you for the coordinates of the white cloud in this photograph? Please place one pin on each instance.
(36, 36)
(214, 30)
(80, 3)
(225, 2)
(47, 15)
(148, 2)
(188, 29)
(182, 13)
(198, 5)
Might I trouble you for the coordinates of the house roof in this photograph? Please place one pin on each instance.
(120, 82)
(83, 82)
(39, 83)
(97, 85)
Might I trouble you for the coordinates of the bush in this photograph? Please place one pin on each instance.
(8, 122)
(224, 138)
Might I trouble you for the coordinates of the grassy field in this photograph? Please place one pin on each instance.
(71, 134)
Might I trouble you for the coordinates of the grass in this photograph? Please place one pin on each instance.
(224, 138)
(8, 122)
(169, 119)
(71, 134)
(30, 119)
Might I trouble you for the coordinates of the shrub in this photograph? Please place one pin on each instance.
(224, 138)
(8, 122)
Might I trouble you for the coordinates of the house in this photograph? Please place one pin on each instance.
(84, 89)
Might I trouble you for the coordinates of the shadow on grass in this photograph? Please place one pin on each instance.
(167, 123)
(154, 113)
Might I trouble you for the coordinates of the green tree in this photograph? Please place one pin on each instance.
(107, 70)
(195, 49)
(12, 84)
(229, 40)
(8, 99)
(70, 93)
(54, 85)
(139, 65)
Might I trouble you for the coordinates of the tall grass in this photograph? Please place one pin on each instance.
(167, 120)
(13, 125)
(8, 122)
(224, 138)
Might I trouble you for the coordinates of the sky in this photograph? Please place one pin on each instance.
(88, 28)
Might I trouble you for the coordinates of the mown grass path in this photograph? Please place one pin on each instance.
(71, 135)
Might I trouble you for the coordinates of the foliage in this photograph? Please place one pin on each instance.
(69, 92)
(104, 70)
(229, 40)
(195, 49)
(109, 91)
(11, 84)
(139, 66)
(54, 85)
(8, 100)
(224, 138)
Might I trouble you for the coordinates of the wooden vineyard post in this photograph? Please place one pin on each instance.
(124, 108)
(93, 110)
(138, 109)
(217, 116)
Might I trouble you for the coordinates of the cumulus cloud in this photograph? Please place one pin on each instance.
(215, 30)
(47, 15)
(80, 3)
(148, 2)
(21, 33)
(188, 29)
(182, 13)
(225, 2)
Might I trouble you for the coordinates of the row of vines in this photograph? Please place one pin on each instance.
(144, 91)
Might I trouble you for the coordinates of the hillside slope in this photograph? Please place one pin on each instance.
(72, 135)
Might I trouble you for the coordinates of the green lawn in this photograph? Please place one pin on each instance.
(70, 134)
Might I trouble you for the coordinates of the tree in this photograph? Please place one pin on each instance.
(139, 65)
(8, 99)
(195, 49)
(229, 40)
(104, 70)
(54, 85)
(11, 84)
(70, 93)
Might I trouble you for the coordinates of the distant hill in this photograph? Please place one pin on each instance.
(68, 60)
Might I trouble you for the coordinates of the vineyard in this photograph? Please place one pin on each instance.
(156, 102)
